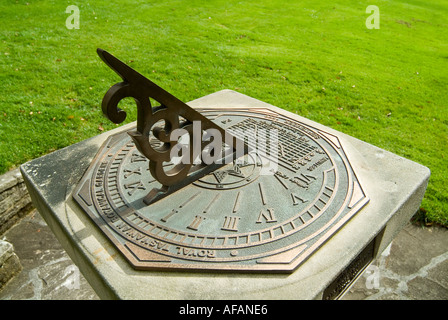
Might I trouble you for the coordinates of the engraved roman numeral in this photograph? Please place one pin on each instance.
(305, 178)
(131, 172)
(295, 198)
(303, 181)
(134, 186)
(169, 215)
(137, 157)
(231, 223)
(189, 199)
(268, 216)
(194, 225)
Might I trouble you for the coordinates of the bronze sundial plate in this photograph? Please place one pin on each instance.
(246, 216)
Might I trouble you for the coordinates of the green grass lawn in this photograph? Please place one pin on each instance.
(385, 86)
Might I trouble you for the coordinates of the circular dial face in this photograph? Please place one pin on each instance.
(268, 210)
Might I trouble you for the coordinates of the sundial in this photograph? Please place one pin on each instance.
(170, 195)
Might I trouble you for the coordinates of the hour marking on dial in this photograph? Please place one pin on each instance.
(263, 198)
(207, 208)
(194, 225)
(282, 182)
(231, 223)
(188, 200)
(134, 186)
(267, 216)
(131, 172)
(295, 198)
(305, 178)
(137, 157)
(236, 206)
(169, 215)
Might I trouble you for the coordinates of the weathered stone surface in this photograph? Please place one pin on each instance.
(10, 179)
(48, 273)
(415, 268)
(405, 266)
(417, 291)
(15, 201)
(6, 250)
(9, 263)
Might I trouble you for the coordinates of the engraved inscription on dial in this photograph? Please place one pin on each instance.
(243, 216)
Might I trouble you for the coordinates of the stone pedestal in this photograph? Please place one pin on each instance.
(394, 185)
